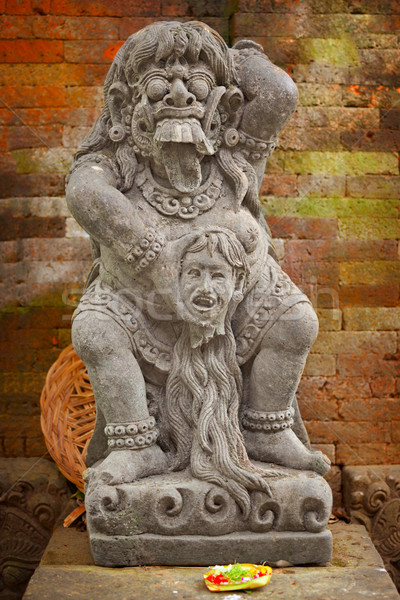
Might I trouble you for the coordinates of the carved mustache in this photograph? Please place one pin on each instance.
(183, 131)
(172, 112)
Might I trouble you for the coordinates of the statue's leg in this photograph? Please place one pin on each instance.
(274, 378)
(120, 394)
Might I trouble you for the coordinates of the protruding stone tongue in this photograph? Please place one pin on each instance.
(182, 165)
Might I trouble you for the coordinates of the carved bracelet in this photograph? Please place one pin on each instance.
(146, 250)
(268, 421)
(131, 436)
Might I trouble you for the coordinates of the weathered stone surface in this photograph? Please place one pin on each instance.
(139, 523)
(193, 336)
(355, 571)
(371, 497)
(33, 496)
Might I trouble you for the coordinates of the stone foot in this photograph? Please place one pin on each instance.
(284, 448)
(127, 466)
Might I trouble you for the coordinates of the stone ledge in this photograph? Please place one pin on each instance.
(355, 571)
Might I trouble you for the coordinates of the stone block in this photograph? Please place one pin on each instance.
(376, 272)
(33, 496)
(371, 318)
(371, 497)
(356, 571)
(133, 524)
(320, 364)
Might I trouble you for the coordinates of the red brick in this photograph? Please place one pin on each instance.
(380, 96)
(371, 409)
(375, 140)
(9, 252)
(56, 249)
(378, 66)
(348, 388)
(390, 119)
(52, 74)
(79, 96)
(74, 117)
(128, 26)
(26, 137)
(72, 28)
(41, 7)
(367, 454)
(382, 385)
(40, 317)
(321, 273)
(316, 138)
(32, 184)
(321, 186)
(366, 364)
(35, 446)
(4, 138)
(31, 51)
(315, 250)
(18, 7)
(293, 227)
(32, 338)
(283, 53)
(348, 432)
(16, 228)
(335, 116)
(91, 51)
(281, 185)
(33, 96)
(373, 6)
(193, 8)
(13, 445)
(16, 27)
(373, 186)
(318, 409)
(105, 8)
(369, 295)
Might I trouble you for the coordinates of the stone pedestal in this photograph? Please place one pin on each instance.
(177, 520)
(355, 572)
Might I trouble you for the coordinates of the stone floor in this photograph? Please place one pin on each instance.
(67, 572)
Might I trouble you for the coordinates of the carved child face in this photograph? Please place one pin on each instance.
(207, 285)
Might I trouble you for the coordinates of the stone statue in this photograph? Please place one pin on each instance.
(193, 337)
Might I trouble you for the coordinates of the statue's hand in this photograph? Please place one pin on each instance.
(165, 271)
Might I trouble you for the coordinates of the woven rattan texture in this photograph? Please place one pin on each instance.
(68, 414)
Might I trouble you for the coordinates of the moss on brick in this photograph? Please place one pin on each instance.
(367, 228)
(40, 160)
(335, 51)
(337, 163)
(335, 207)
(376, 272)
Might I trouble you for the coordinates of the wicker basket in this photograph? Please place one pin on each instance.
(68, 414)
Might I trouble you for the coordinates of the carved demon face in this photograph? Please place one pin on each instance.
(176, 120)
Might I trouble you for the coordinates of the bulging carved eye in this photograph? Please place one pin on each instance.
(156, 89)
(199, 87)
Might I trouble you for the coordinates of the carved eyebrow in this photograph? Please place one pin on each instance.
(154, 72)
(199, 72)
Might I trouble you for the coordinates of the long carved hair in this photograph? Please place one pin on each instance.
(204, 391)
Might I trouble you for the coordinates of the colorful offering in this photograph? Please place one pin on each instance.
(239, 576)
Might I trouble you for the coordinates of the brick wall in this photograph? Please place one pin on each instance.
(331, 193)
